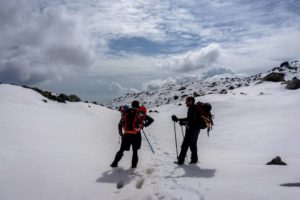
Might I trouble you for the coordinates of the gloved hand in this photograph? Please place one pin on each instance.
(174, 118)
(182, 123)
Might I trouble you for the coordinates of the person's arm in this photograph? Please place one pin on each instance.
(183, 121)
(120, 128)
(148, 120)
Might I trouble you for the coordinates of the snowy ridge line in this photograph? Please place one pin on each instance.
(177, 93)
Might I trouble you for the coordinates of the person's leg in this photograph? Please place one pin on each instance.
(136, 145)
(125, 146)
(184, 147)
(135, 158)
(118, 157)
(193, 147)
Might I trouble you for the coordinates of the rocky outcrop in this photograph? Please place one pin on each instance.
(62, 98)
(274, 77)
(276, 161)
(293, 84)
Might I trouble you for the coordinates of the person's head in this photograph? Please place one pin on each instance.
(135, 104)
(189, 101)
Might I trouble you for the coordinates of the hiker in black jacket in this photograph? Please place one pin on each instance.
(192, 123)
(130, 138)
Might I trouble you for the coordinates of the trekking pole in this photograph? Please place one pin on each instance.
(175, 140)
(182, 132)
(148, 141)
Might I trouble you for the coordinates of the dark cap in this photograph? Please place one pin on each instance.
(135, 104)
(191, 99)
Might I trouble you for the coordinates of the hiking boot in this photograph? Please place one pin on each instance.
(133, 166)
(178, 163)
(193, 162)
(113, 165)
(117, 159)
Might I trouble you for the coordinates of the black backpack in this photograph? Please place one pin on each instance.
(206, 119)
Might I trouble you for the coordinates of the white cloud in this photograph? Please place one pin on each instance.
(263, 53)
(216, 71)
(119, 89)
(193, 60)
(54, 39)
(186, 78)
(159, 83)
(116, 87)
(40, 44)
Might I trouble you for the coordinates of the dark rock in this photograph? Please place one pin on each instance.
(231, 87)
(259, 82)
(183, 96)
(276, 161)
(94, 102)
(150, 111)
(156, 111)
(285, 64)
(290, 185)
(182, 88)
(242, 93)
(195, 94)
(49, 95)
(74, 98)
(223, 91)
(44, 100)
(62, 98)
(274, 77)
(293, 84)
(179, 104)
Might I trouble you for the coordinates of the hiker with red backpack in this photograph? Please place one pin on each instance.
(133, 120)
(194, 121)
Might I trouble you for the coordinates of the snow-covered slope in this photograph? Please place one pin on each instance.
(52, 150)
(213, 85)
(63, 151)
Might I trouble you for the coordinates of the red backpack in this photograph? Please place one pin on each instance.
(133, 119)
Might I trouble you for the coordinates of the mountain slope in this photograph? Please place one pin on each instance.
(213, 85)
(63, 151)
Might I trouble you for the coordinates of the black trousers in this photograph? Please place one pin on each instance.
(189, 141)
(128, 140)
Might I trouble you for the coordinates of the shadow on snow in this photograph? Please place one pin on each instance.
(193, 171)
(117, 175)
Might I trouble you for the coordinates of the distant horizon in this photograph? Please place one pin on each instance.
(102, 50)
(164, 84)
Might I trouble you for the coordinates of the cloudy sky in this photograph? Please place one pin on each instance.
(101, 49)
